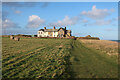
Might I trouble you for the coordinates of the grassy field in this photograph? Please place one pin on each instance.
(35, 58)
(105, 46)
(90, 63)
(55, 58)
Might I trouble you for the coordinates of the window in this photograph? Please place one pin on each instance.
(41, 32)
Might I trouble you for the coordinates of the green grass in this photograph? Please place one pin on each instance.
(35, 58)
(89, 63)
(54, 58)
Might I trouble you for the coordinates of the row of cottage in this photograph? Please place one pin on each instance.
(61, 32)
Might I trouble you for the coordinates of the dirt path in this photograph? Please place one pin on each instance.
(88, 63)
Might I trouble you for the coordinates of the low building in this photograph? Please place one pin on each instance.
(61, 32)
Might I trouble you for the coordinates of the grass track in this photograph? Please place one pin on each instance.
(89, 63)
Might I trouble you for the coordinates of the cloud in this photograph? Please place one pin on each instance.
(67, 21)
(109, 29)
(17, 11)
(19, 4)
(97, 13)
(7, 23)
(15, 5)
(97, 17)
(35, 21)
(84, 20)
(102, 22)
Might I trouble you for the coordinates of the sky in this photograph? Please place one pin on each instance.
(98, 19)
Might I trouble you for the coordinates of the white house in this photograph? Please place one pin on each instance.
(61, 32)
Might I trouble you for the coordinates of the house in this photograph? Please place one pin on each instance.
(61, 32)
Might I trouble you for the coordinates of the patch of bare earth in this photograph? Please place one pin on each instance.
(105, 46)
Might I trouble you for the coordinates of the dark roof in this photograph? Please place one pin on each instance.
(54, 30)
(61, 28)
(41, 30)
(51, 30)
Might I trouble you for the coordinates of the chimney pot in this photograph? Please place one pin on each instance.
(44, 28)
(65, 28)
(54, 27)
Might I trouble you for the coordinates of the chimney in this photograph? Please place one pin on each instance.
(54, 27)
(65, 28)
(44, 28)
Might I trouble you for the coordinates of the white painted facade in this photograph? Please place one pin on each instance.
(55, 34)
(41, 34)
(45, 34)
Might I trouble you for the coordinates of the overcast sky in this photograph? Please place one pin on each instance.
(98, 19)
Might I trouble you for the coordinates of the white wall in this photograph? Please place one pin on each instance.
(39, 34)
(45, 34)
(56, 34)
